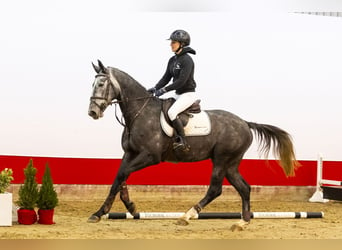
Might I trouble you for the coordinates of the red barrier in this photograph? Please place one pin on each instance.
(103, 171)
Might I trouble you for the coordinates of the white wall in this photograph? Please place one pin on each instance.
(266, 66)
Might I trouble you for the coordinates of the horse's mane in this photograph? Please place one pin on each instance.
(123, 76)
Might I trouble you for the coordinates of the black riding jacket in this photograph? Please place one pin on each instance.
(181, 68)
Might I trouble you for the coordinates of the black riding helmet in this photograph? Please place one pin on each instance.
(180, 36)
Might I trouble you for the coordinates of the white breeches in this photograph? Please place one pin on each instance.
(183, 101)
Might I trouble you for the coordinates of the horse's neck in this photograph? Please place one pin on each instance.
(131, 96)
(130, 88)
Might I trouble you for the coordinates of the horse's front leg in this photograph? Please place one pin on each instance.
(107, 205)
(124, 196)
(129, 164)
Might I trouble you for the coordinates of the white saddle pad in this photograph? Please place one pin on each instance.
(198, 125)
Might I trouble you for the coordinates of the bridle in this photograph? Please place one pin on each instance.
(106, 95)
(116, 88)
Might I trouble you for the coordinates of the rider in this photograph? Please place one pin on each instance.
(181, 68)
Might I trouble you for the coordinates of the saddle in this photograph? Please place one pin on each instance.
(184, 116)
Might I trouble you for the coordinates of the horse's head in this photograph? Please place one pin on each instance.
(105, 90)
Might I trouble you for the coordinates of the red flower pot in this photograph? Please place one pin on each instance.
(46, 216)
(27, 216)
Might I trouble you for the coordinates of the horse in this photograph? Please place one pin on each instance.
(145, 144)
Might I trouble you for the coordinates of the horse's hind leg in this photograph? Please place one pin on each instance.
(124, 196)
(214, 190)
(243, 188)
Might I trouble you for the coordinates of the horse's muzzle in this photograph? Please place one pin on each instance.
(93, 114)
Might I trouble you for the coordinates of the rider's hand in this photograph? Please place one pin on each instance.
(152, 90)
(160, 92)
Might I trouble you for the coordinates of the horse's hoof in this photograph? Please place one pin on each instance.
(93, 219)
(182, 222)
(236, 228)
(132, 209)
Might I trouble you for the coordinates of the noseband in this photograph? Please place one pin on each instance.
(105, 97)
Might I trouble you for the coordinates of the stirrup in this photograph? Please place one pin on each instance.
(179, 144)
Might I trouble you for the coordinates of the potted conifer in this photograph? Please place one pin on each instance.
(47, 199)
(28, 195)
(5, 198)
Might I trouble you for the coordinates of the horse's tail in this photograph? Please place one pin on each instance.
(282, 145)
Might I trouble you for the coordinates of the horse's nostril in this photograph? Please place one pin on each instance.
(92, 114)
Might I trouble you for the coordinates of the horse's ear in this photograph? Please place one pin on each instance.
(102, 67)
(96, 68)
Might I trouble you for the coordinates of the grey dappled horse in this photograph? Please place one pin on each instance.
(145, 144)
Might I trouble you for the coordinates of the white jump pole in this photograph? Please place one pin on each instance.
(176, 215)
(318, 195)
(331, 182)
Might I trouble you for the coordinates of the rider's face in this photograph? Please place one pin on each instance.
(175, 46)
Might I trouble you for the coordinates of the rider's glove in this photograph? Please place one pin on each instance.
(152, 90)
(160, 92)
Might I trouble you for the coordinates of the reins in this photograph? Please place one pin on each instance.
(136, 115)
(121, 121)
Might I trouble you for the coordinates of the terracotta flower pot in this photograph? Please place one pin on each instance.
(46, 216)
(27, 216)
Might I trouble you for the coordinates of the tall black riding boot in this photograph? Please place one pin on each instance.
(180, 142)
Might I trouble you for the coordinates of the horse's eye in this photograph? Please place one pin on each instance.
(101, 84)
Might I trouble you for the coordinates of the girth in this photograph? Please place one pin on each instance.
(185, 115)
